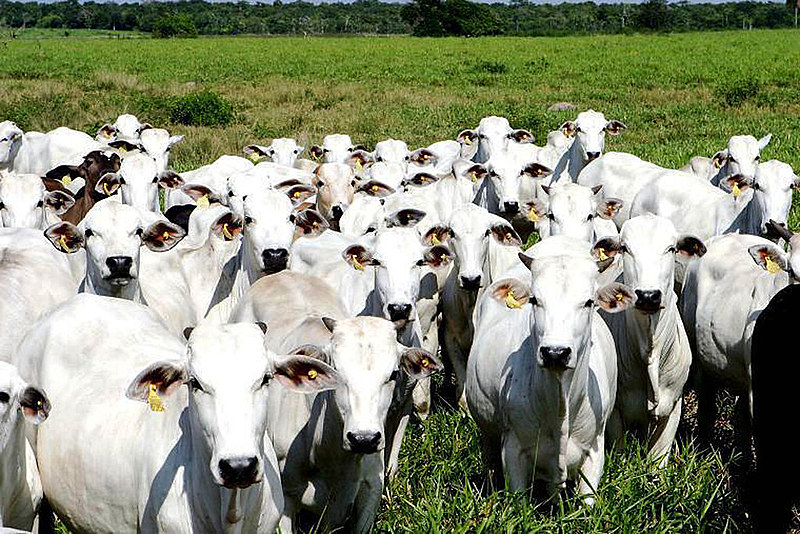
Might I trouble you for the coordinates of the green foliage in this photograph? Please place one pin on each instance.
(202, 108)
(735, 92)
(174, 26)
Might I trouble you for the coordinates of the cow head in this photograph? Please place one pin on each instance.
(590, 129)
(18, 401)
(772, 194)
(741, 157)
(140, 180)
(571, 210)
(25, 203)
(10, 142)
(336, 184)
(507, 174)
(157, 143)
(283, 151)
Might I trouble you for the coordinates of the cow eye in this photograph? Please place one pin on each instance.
(320, 184)
(551, 216)
(420, 263)
(325, 150)
(40, 204)
(195, 384)
(590, 217)
(353, 183)
(88, 233)
(756, 186)
(248, 219)
(5, 397)
(758, 157)
(139, 231)
(231, 194)
(394, 376)
(265, 380)
(588, 304)
(578, 130)
(672, 250)
(379, 158)
(375, 262)
(2, 206)
(533, 301)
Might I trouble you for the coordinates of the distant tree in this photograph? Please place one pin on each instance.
(425, 17)
(653, 15)
(174, 26)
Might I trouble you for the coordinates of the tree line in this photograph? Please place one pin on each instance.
(420, 17)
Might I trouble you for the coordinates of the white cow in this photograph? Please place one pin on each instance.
(589, 130)
(336, 184)
(112, 234)
(20, 487)
(574, 210)
(492, 136)
(329, 446)
(10, 143)
(126, 128)
(39, 152)
(542, 373)
(214, 176)
(25, 203)
(469, 232)
(156, 143)
(283, 151)
(174, 428)
(141, 179)
(723, 294)
(652, 348)
(741, 157)
(336, 148)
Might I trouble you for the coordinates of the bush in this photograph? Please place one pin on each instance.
(174, 26)
(202, 108)
(737, 92)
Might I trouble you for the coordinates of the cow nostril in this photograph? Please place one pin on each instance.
(556, 357)
(511, 206)
(471, 283)
(238, 472)
(399, 312)
(275, 259)
(592, 155)
(119, 265)
(364, 442)
(648, 299)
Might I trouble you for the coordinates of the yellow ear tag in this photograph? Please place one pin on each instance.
(225, 232)
(375, 189)
(203, 202)
(772, 265)
(122, 150)
(435, 240)
(66, 180)
(511, 301)
(312, 374)
(474, 178)
(154, 401)
(359, 166)
(63, 242)
(297, 194)
(736, 191)
(532, 215)
(601, 253)
(165, 235)
(619, 297)
(467, 141)
(357, 264)
(425, 362)
(254, 157)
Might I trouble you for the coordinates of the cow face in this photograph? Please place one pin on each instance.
(112, 234)
(391, 151)
(741, 157)
(126, 128)
(24, 202)
(397, 257)
(572, 209)
(271, 225)
(17, 398)
(649, 245)
(336, 185)
(228, 398)
(507, 174)
(590, 129)
(470, 229)
(140, 179)
(336, 148)
(10, 142)
(157, 143)
(283, 151)
(772, 193)
(370, 364)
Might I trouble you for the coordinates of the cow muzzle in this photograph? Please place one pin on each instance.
(275, 260)
(555, 358)
(363, 442)
(648, 301)
(511, 207)
(119, 268)
(591, 156)
(470, 283)
(399, 312)
(336, 212)
(239, 472)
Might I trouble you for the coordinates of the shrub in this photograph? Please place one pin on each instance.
(174, 26)
(737, 91)
(202, 108)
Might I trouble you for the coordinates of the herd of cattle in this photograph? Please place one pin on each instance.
(254, 365)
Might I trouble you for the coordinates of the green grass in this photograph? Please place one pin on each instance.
(680, 95)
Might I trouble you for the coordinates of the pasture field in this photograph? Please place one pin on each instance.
(680, 95)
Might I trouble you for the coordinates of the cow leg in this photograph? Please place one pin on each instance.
(422, 389)
(517, 467)
(367, 501)
(46, 519)
(664, 434)
(744, 428)
(393, 458)
(706, 408)
(615, 430)
(492, 459)
(592, 471)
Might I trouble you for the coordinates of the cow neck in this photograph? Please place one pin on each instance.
(130, 292)
(13, 468)
(570, 162)
(736, 215)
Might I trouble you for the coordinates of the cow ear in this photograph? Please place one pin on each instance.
(169, 180)
(718, 159)
(521, 136)
(614, 297)
(467, 137)
(609, 207)
(59, 201)
(64, 174)
(607, 248)
(35, 404)
(330, 323)
(160, 378)
(174, 140)
(536, 170)
(359, 159)
(255, 152)
(615, 127)
(145, 126)
(505, 234)
(423, 156)
(317, 151)
(769, 257)
(357, 257)
(305, 375)
(287, 184)
(568, 128)
(511, 292)
(536, 209)
(737, 184)
(476, 173)
(162, 236)
(123, 147)
(764, 141)
(108, 184)
(375, 188)
(421, 179)
(690, 246)
(227, 226)
(201, 194)
(596, 189)
(419, 363)
(187, 332)
(437, 256)
(310, 223)
(312, 351)
(406, 217)
(65, 236)
(299, 193)
(107, 131)
(526, 260)
(437, 235)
